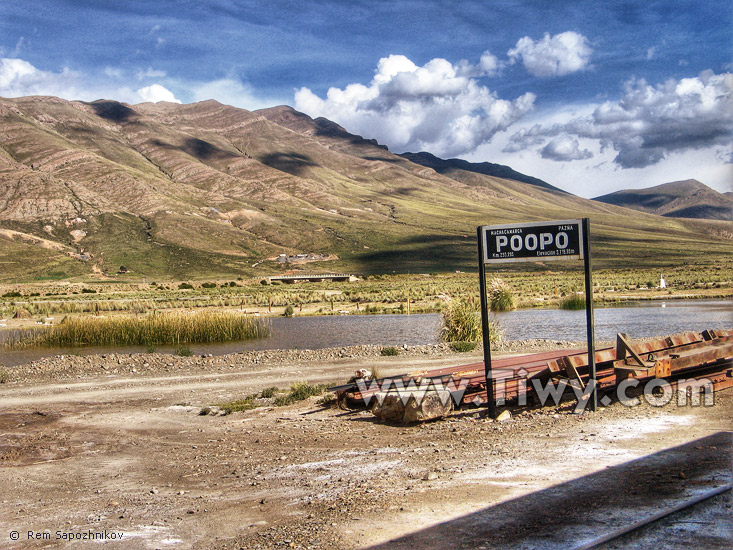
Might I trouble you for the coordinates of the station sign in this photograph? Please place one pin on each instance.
(532, 242)
(524, 242)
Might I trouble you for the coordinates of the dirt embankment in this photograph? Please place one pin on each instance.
(106, 445)
(74, 366)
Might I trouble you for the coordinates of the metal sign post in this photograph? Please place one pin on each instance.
(589, 316)
(485, 325)
(539, 241)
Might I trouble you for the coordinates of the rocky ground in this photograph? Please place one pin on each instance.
(114, 446)
(62, 367)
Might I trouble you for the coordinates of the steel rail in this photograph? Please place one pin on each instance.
(653, 518)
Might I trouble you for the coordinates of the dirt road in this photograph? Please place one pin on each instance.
(125, 457)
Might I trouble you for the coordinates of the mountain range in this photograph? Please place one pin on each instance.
(680, 199)
(208, 190)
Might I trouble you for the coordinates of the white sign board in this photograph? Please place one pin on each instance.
(525, 242)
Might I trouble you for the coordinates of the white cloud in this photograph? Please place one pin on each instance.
(599, 175)
(649, 122)
(150, 73)
(113, 72)
(436, 107)
(233, 92)
(18, 46)
(489, 64)
(19, 78)
(556, 55)
(156, 93)
(564, 148)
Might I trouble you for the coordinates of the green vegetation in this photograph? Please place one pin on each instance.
(269, 392)
(574, 301)
(389, 351)
(289, 311)
(463, 347)
(246, 404)
(152, 329)
(462, 323)
(298, 392)
(501, 295)
(249, 402)
(269, 396)
(375, 294)
(183, 351)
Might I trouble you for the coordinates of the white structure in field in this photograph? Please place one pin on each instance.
(662, 282)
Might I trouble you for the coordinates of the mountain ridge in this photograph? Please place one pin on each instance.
(680, 199)
(206, 189)
(449, 166)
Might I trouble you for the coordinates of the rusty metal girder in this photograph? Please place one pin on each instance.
(688, 354)
(715, 351)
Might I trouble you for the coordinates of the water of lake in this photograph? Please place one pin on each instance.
(639, 319)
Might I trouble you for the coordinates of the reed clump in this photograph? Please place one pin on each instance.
(501, 295)
(153, 329)
(572, 302)
(462, 323)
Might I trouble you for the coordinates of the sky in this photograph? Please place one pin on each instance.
(591, 96)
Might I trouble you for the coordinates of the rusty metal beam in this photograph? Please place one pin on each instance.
(688, 354)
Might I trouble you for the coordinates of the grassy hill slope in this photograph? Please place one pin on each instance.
(679, 199)
(204, 189)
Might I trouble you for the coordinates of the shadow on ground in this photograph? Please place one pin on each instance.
(577, 511)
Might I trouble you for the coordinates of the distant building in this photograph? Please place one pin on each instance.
(317, 278)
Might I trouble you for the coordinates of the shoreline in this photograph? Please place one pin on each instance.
(61, 367)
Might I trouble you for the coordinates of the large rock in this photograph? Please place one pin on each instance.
(389, 407)
(410, 407)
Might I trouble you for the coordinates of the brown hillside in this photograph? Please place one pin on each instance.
(679, 199)
(206, 189)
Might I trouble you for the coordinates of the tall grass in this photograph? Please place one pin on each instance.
(462, 323)
(574, 301)
(153, 329)
(300, 391)
(501, 295)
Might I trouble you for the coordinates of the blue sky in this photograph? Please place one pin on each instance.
(591, 96)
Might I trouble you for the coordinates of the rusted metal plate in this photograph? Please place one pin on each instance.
(662, 368)
(701, 356)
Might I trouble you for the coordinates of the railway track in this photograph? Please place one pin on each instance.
(661, 514)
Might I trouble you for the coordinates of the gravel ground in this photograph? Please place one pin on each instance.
(115, 444)
(62, 367)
